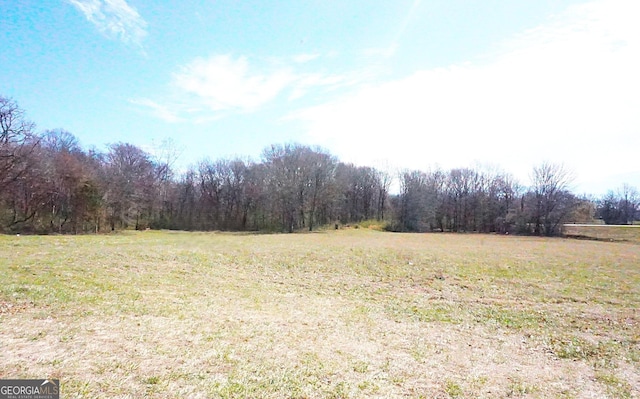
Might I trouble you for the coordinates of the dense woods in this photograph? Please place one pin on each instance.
(50, 184)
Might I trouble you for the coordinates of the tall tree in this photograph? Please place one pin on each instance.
(553, 201)
(621, 206)
(17, 142)
(131, 183)
(414, 201)
(322, 168)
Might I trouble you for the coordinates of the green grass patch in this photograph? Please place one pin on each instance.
(616, 387)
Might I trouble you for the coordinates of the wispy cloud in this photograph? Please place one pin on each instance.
(565, 90)
(207, 89)
(389, 50)
(160, 111)
(411, 14)
(310, 81)
(114, 19)
(225, 83)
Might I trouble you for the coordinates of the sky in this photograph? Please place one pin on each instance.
(403, 84)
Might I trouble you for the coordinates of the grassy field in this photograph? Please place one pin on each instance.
(341, 314)
(604, 232)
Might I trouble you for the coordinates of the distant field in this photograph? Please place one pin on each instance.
(341, 314)
(604, 232)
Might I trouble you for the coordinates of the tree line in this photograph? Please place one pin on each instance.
(50, 184)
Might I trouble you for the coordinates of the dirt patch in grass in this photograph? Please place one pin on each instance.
(7, 307)
(345, 314)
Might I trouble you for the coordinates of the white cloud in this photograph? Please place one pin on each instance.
(566, 91)
(224, 83)
(114, 19)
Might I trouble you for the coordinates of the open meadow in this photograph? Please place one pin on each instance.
(337, 314)
(628, 233)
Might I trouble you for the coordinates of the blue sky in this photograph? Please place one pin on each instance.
(398, 84)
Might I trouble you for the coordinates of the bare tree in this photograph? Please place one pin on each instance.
(166, 156)
(620, 206)
(629, 203)
(553, 201)
(322, 166)
(131, 177)
(414, 201)
(17, 141)
(384, 178)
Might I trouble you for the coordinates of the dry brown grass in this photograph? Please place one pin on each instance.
(327, 315)
(604, 232)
